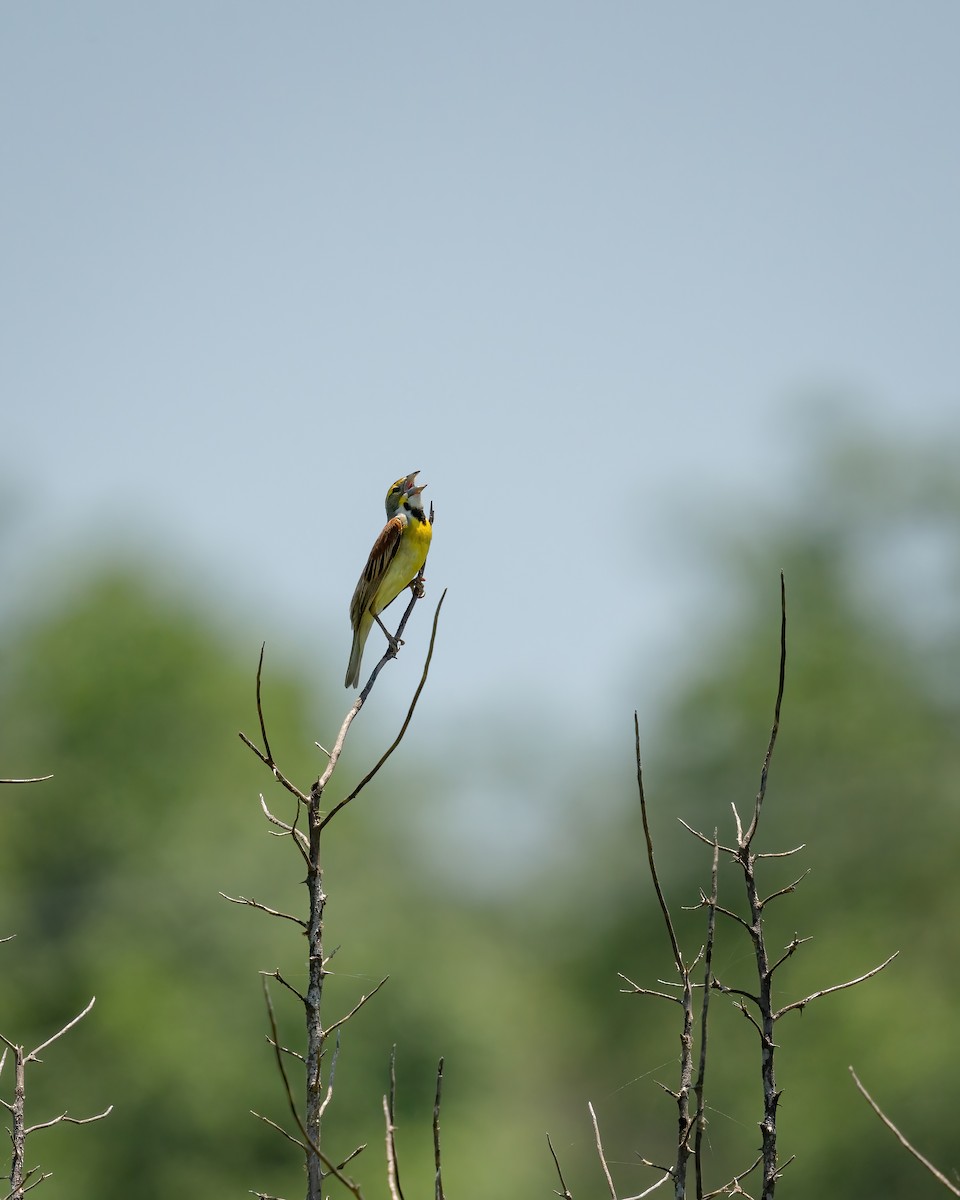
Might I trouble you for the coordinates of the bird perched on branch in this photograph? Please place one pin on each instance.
(397, 555)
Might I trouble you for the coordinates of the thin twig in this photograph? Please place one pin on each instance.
(353, 1154)
(677, 956)
(734, 991)
(776, 715)
(35, 779)
(784, 891)
(65, 1119)
(353, 1188)
(275, 974)
(325, 1103)
(279, 1128)
(735, 1182)
(782, 853)
(789, 952)
(653, 1187)
(566, 1194)
(267, 758)
(356, 1008)
(301, 841)
(707, 841)
(728, 912)
(22, 1191)
(246, 902)
(333, 756)
(396, 741)
(837, 987)
(699, 1085)
(603, 1160)
(636, 989)
(389, 1107)
(747, 862)
(900, 1137)
(263, 726)
(438, 1176)
(33, 1055)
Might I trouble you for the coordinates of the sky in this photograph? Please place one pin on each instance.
(581, 265)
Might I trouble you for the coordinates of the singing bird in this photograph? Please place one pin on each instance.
(397, 555)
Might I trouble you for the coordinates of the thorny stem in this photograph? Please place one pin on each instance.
(765, 1025)
(438, 1172)
(318, 1164)
(707, 988)
(755, 927)
(314, 995)
(682, 1096)
(20, 1179)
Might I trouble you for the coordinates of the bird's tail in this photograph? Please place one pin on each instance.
(356, 652)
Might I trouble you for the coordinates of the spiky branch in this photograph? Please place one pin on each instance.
(308, 843)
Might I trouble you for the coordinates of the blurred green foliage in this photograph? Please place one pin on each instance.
(109, 877)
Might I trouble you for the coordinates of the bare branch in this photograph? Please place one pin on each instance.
(784, 891)
(741, 1007)
(35, 779)
(733, 1187)
(677, 956)
(736, 818)
(938, 1175)
(263, 725)
(32, 1056)
(566, 1194)
(246, 902)
(279, 1128)
(603, 1160)
(438, 1176)
(275, 974)
(352, 1155)
(837, 987)
(325, 1103)
(789, 952)
(389, 1107)
(765, 770)
(353, 1188)
(356, 1008)
(731, 850)
(653, 1187)
(267, 758)
(396, 741)
(636, 989)
(28, 1187)
(65, 1119)
(728, 912)
(395, 640)
(334, 755)
(301, 840)
(699, 1085)
(645, 1162)
(746, 860)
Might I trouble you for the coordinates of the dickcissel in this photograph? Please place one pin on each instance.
(397, 555)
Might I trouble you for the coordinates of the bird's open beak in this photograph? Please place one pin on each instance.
(408, 487)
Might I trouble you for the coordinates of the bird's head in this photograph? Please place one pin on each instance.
(404, 494)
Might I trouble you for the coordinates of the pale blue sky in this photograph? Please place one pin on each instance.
(572, 261)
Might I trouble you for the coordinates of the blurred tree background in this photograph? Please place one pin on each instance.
(132, 696)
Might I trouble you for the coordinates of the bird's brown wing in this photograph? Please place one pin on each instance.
(381, 556)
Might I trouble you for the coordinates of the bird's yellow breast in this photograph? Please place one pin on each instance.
(410, 556)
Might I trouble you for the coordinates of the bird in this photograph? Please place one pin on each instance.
(397, 556)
